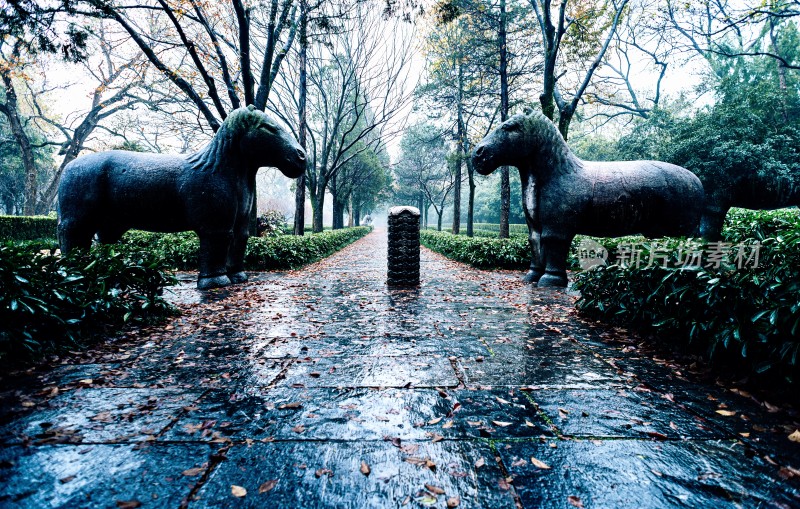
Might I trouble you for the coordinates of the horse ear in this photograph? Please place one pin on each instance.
(251, 107)
(527, 110)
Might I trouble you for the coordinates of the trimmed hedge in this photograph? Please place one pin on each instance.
(747, 317)
(52, 303)
(480, 252)
(281, 252)
(27, 227)
(486, 251)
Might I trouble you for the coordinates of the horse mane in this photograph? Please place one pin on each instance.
(553, 151)
(218, 151)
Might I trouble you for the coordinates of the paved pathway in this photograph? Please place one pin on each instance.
(323, 388)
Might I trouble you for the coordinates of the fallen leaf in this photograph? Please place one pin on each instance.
(529, 424)
(434, 421)
(193, 471)
(657, 435)
(267, 486)
(296, 404)
(299, 428)
(539, 464)
(323, 471)
(481, 462)
(128, 504)
(453, 502)
(66, 479)
(434, 489)
(502, 423)
(365, 468)
(795, 436)
(726, 413)
(447, 425)
(572, 499)
(238, 491)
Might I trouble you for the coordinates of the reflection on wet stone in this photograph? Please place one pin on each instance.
(325, 388)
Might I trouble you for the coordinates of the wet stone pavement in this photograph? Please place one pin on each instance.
(324, 388)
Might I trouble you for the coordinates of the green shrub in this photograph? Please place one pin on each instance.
(281, 252)
(50, 303)
(27, 227)
(272, 223)
(481, 252)
(748, 316)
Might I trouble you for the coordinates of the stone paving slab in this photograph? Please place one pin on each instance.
(330, 474)
(89, 476)
(287, 384)
(637, 473)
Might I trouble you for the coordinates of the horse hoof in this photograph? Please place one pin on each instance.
(552, 281)
(532, 276)
(207, 283)
(238, 277)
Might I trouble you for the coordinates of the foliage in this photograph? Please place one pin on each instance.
(749, 316)
(481, 252)
(12, 172)
(272, 223)
(51, 303)
(27, 227)
(277, 252)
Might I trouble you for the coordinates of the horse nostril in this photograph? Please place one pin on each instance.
(479, 151)
(301, 154)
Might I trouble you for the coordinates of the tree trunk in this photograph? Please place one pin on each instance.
(457, 195)
(356, 215)
(439, 213)
(317, 204)
(422, 211)
(337, 223)
(11, 111)
(459, 150)
(300, 192)
(471, 204)
(505, 188)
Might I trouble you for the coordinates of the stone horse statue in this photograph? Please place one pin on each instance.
(563, 195)
(210, 192)
(767, 190)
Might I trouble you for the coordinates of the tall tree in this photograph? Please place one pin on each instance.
(580, 27)
(358, 91)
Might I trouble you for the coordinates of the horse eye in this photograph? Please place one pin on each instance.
(510, 127)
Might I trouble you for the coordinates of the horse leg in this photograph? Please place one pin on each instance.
(72, 234)
(537, 266)
(530, 202)
(712, 221)
(555, 250)
(236, 271)
(213, 256)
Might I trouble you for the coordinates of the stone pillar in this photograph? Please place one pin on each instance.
(403, 247)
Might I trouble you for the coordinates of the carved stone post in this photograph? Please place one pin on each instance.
(403, 247)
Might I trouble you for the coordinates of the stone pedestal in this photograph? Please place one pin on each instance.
(403, 247)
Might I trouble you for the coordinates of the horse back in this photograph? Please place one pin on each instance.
(137, 190)
(641, 197)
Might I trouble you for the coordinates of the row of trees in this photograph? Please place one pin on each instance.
(603, 63)
(178, 67)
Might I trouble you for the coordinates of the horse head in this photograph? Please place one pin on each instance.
(263, 142)
(505, 146)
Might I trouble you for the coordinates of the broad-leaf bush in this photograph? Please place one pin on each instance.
(27, 227)
(277, 252)
(748, 316)
(481, 252)
(51, 303)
